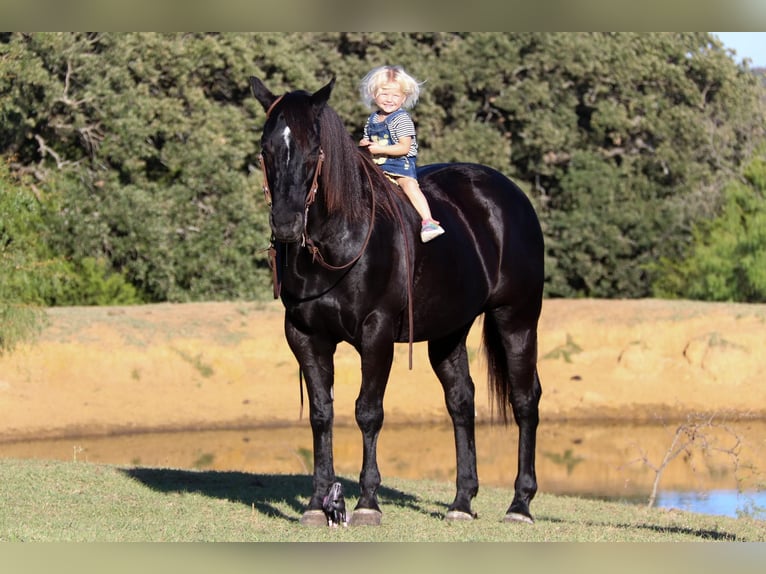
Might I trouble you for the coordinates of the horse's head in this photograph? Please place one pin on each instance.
(291, 156)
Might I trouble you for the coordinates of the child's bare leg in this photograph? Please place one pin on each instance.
(430, 228)
(415, 195)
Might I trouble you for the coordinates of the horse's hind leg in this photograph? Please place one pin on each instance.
(449, 359)
(513, 340)
(525, 411)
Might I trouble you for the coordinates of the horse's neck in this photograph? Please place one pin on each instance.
(337, 238)
(339, 231)
(333, 242)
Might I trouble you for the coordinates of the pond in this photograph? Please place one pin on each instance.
(723, 470)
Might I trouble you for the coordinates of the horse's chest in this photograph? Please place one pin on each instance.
(340, 319)
(331, 320)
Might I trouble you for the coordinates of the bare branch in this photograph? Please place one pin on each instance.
(695, 433)
(44, 150)
(64, 98)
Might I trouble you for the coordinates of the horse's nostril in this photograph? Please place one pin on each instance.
(286, 227)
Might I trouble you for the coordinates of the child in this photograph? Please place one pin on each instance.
(389, 134)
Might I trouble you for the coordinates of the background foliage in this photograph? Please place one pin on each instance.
(132, 175)
(727, 259)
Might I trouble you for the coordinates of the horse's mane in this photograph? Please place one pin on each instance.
(349, 173)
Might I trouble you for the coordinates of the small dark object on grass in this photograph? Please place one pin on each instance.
(334, 506)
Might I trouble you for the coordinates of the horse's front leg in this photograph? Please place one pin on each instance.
(315, 357)
(377, 353)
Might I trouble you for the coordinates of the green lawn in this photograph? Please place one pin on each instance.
(75, 501)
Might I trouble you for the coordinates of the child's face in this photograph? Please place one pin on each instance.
(389, 98)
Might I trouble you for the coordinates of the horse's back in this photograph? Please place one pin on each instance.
(492, 253)
(485, 203)
(480, 190)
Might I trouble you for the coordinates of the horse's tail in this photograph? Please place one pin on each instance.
(498, 377)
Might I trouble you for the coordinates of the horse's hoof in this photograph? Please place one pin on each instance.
(516, 517)
(365, 517)
(313, 518)
(459, 515)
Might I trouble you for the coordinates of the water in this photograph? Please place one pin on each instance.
(604, 461)
(719, 502)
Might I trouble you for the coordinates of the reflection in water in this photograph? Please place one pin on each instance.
(593, 460)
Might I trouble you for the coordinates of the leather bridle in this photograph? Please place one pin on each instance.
(316, 255)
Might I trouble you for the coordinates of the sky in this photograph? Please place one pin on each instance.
(747, 45)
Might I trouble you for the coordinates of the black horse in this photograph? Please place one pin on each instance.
(350, 267)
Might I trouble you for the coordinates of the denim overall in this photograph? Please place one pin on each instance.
(396, 166)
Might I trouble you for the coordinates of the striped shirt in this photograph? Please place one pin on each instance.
(400, 125)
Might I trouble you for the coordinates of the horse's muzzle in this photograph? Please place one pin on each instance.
(287, 228)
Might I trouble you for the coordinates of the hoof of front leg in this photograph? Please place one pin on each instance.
(518, 517)
(518, 511)
(459, 515)
(313, 518)
(365, 517)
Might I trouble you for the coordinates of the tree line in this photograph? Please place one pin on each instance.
(129, 160)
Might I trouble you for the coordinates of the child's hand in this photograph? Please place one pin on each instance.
(364, 142)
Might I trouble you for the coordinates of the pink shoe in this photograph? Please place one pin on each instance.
(430, 230)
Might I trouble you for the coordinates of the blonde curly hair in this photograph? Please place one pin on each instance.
(378, 77)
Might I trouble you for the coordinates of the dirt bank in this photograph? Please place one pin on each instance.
(225, 365)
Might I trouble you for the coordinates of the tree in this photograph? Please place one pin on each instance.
(727, 260)
(142, 148)
(627, 139)
(19, 222)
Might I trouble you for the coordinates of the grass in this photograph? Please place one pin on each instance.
(76, 501)
(564, 351)
(196, 361)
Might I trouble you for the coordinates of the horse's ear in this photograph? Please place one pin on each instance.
(320, 97)
(261, 93)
